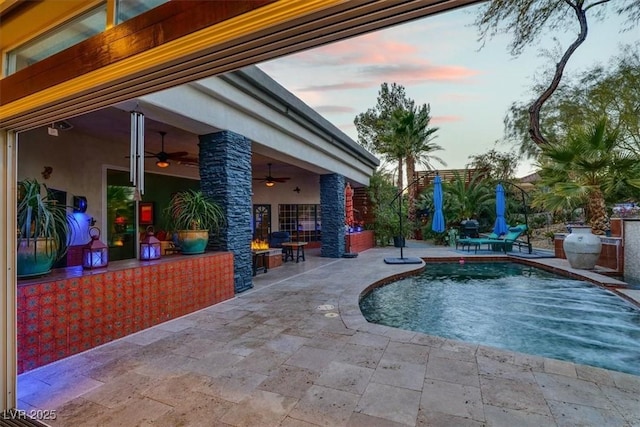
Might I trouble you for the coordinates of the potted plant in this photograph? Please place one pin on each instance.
(43, 229)
(192, 216)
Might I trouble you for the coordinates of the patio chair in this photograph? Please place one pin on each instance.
(277, 238)
(505, 243)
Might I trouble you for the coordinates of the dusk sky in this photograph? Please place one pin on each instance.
(438, 60)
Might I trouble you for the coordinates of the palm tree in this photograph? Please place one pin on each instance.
(582, 169)
(463, 200)
(410, 139)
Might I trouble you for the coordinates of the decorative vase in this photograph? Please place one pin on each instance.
(582, 248)
(193, 241)
(35, 257)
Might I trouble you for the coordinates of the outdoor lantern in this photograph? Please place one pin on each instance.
(149, 246)
(95, 254)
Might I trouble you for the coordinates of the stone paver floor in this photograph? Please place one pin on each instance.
(295, 351)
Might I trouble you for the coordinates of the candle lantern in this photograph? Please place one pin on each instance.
(149, 246)
(95, 254)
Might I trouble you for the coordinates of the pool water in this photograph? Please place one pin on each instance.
(514, 307)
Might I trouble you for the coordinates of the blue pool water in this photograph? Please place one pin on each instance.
(514, 307)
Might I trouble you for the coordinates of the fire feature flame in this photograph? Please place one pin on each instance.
(257, 245)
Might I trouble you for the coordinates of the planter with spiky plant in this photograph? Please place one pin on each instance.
(588, 169)
(193, 217)
(43, 229)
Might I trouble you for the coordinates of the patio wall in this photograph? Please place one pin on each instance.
(359, 241)
(71, 310)
(612, 255)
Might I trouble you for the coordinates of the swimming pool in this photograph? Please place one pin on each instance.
(515, 307)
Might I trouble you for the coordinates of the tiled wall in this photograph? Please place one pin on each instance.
(61, 316)
(360, 241)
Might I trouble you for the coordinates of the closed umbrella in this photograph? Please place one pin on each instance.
(348, 205)
(437, 224)
(500, 226)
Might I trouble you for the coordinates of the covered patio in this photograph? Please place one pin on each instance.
(296, 350)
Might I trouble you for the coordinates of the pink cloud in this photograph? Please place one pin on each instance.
(418, 71)
(367, 49)
(445, 119)
(338, 86)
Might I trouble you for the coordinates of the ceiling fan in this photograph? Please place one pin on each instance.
(164, 157)
(269, 180)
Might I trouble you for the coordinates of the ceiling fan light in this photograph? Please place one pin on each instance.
(162, 163)
(270, 183)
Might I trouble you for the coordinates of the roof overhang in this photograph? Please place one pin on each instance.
(266, 32)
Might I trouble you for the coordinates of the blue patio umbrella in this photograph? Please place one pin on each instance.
(437, 224)
(500, 226)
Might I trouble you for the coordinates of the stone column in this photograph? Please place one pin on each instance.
(225, 176)
(332, 213)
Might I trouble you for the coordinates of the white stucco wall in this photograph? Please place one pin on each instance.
(37, 149)
(78, 161)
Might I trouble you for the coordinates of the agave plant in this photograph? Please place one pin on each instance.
(40, 216)
(191, 210)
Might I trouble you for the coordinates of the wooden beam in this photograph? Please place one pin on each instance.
(167, 22)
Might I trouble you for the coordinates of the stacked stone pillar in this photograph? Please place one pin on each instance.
(332, 212)
(225, 177)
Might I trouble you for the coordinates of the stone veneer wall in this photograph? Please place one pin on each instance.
(225, 176)
(632, 249)
(332, 211)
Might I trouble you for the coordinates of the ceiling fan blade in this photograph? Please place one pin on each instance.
(175, 155)
(185, 160)
(283, 179)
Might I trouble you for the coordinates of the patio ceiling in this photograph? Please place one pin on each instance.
(113, 124)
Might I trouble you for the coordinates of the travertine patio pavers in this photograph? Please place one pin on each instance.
(278, 355)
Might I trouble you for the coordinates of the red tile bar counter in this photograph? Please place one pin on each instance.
(72, 310)
(359, 241)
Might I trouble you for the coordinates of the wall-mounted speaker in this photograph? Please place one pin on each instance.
(79, 204)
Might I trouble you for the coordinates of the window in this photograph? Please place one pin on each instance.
(58, 39)
(127, 9)
(261, 221)
(301, 221)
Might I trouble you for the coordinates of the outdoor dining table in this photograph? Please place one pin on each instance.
(288, 250)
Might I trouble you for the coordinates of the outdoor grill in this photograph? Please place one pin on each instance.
(469, 228)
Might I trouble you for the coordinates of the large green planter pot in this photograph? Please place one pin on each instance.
(35, 257)
(193, 241)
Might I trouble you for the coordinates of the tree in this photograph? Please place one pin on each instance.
(381, 192)
(371, 124)
(412, 138)
(588, 169)
(585, 98)
(496, 165)
(398, 130)
(527, 20)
